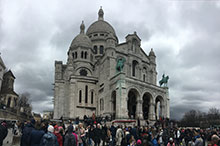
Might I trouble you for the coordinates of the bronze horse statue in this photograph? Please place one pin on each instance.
(164, 80)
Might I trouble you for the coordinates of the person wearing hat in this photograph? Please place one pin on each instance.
(49, 139)
(171, 142)
(139, 142)
(214, 140)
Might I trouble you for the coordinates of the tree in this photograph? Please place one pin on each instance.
(195, 118)
(24, 102)
(213, 116)
(191, 118)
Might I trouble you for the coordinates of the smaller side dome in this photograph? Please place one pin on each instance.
(81, 40)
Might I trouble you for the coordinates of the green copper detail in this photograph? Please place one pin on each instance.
(120, 64)
(164, 80)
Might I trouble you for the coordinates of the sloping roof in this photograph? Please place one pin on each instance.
(8, 91)
(9, 73)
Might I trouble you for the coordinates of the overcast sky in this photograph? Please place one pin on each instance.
(185, 35)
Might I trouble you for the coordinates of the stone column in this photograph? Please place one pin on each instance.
(152, 111)
(163, 110)
(139, 112)
(73, 99)
(121, 98)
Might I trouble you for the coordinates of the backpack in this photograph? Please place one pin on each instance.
(70, 140)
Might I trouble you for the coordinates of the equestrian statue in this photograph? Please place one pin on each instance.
(164, 80)
(120, 64)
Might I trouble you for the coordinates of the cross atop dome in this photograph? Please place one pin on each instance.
(101, 14)
(82, 27)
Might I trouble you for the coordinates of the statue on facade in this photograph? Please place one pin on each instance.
(120, 64)
(164, 80)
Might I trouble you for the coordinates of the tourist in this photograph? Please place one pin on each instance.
(97, 135)
(113, 133)
(199, 140)
(139, 143)
(104, 135)
(75, 134)
(171, 142)
(132, 141)
(119, 136)
(49, 139)
(3, 132)
(61, 131)
(70, 139)
(154, 141)
(36, 136)
(81, 135)
(58, 135)
(214, 140)
(26, 132)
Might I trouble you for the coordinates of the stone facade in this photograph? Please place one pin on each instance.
(8, 96)
(10, 103)
(2, 70)
(90, 82)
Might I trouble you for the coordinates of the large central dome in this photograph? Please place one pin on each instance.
(100, 26)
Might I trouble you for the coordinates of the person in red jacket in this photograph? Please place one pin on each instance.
(58, 135)
(214, 140)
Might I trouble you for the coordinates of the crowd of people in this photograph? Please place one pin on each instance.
(97, 134)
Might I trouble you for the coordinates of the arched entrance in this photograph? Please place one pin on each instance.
(132, 103)
(159, 107)
(113, 99)
(146, 105)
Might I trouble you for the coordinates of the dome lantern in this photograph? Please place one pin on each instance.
(82, 28)
(101, 14)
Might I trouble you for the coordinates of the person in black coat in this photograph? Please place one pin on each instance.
(97, 135)
(3, 132)
(35, 136)
(113, 130)
(25, 138)
(70, 139)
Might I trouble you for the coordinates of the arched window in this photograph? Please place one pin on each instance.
(9, 102)
(83, 72)
(86, 94)
(80, 96)
(92, 96)
(134, 65)
(85, 55)
(75, 54)
(95, 49)
(101, 104)
(82, 54)
(134, 45)
(144, 77)
(101, 49)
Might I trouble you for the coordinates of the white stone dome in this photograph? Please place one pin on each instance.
(81, 40)
(100, 26)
